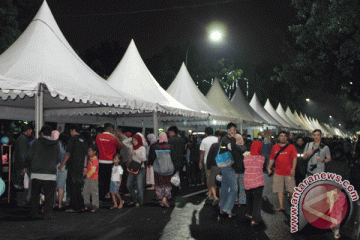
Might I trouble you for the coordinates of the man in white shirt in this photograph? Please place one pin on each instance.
(205, 145)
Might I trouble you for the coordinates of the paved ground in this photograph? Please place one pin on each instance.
(190, 217)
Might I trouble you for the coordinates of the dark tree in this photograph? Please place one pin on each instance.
(324, 49)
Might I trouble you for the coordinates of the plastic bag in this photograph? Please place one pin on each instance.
(175, 180)
(26, 181)
(2, 186)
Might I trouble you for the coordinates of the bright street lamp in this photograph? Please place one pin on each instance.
(216, 32)
(308, 99)
(216, 36)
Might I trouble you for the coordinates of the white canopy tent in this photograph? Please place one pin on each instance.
(184, 90)
(239, 102)
(269, 108)
(133, 77)
(259, 109)
(294, 119)
(304, 124)
(41, 71)
(218, 98)
(282, 114)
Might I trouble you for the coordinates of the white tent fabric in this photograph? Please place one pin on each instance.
(133, 77)
(239, 102)
(269, 108)
(41, 55)
(184, 90)
(259, 109)
(307, 122)
(304, 123)
(218, 99)
(295, 120)
(282, 114)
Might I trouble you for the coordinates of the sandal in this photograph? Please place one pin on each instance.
(248, 216)
(254, 223)
(121, 204)
(93, 210)
(113, 207)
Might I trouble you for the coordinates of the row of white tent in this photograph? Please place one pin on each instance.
(43, 79)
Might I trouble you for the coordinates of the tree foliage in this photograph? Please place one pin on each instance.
(9, 27)
(324, 48)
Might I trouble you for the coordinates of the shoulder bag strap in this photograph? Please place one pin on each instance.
(282, 149)
(219, 147)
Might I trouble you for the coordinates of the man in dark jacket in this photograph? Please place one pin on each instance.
(21, 148)
(44, 154)
(177, 148)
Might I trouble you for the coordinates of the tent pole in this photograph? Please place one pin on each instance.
(39, 109)
(241, 128)
(156, 123)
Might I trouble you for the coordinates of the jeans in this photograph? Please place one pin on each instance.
(136, 182)
(228, 189)
(241, 198)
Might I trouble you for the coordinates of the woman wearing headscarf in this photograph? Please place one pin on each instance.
(254, 182)
(160, 158)
(138, 153)
(150, 179)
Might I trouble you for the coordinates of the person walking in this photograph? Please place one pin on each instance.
(254, 182)
(284, 156)
(160, 158)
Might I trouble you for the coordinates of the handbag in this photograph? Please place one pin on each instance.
(224, 159)
(134, 167)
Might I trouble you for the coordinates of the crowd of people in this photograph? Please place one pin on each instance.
(88, 171)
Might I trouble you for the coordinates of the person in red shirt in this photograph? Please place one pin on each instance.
(285, 165)
(91, 186)
(107, 144)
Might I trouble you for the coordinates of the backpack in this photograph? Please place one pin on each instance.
(163, 164)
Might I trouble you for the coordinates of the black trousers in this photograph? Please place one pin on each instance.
(104, 179)
(76, 183)
(253, 202)
(49, 191)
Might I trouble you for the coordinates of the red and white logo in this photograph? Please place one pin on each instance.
(325, 206)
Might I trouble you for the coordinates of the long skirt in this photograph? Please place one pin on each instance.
(162, 186)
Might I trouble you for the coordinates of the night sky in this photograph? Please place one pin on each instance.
(252, 26)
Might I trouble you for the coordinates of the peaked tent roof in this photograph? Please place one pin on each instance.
(184, 90)
(218, 98)
(291, 116)
(42, 55)
(304, 123)
(132, 76)
(239, 102)
(282, 114)
(269, 108)
(259, 109)
(307, 122)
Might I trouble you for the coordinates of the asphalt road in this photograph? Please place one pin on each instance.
(190, 217)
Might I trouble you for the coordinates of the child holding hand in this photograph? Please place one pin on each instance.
(91, 186)
(116, 176)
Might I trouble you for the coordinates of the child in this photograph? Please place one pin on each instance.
(91, 187)
(116, 176)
